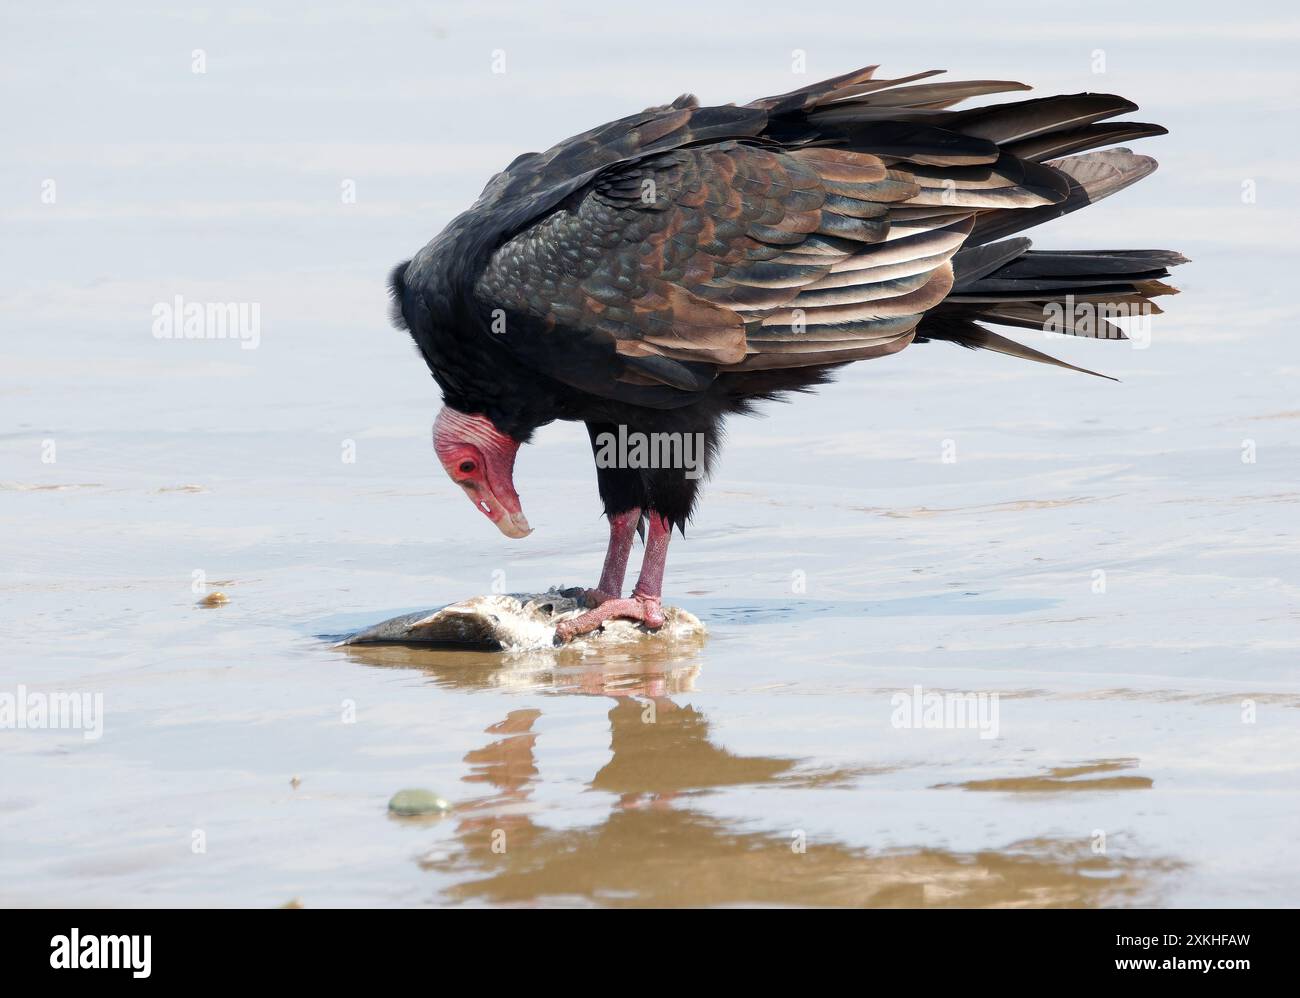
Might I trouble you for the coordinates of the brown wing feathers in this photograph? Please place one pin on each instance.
(814, 227)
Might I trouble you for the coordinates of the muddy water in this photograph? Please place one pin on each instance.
(1108, 572)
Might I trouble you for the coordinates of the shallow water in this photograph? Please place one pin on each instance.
(1146, 717)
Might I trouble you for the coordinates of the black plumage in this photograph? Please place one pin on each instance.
(673, 267)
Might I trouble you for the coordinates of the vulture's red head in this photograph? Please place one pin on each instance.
(481, 460)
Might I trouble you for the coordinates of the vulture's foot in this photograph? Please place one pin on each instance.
(645, 609)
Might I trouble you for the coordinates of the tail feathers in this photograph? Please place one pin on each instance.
(1090, 263)
(1023, 286)
(969, 334)
(1072, 292)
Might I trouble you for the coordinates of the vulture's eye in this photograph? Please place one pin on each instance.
(467, 466)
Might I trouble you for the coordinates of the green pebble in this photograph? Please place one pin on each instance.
(417, 801)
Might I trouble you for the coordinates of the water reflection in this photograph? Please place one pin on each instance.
(1101, 774)
(646, 670)
(657, 844)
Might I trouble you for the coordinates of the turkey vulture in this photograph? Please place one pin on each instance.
(656, 274)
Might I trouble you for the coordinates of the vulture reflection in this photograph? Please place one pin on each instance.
(658, 841)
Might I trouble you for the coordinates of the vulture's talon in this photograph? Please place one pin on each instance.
(643, 609)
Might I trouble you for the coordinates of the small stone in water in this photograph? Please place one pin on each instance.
(214, 599)
(417, 801)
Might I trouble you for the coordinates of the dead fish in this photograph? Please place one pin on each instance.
(518, 622)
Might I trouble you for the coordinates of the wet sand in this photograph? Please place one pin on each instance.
(1099, 558)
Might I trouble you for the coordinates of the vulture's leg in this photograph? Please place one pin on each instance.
(622, 528)
(643, 604)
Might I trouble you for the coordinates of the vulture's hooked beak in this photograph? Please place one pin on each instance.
(515, 526)
(502, 507)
